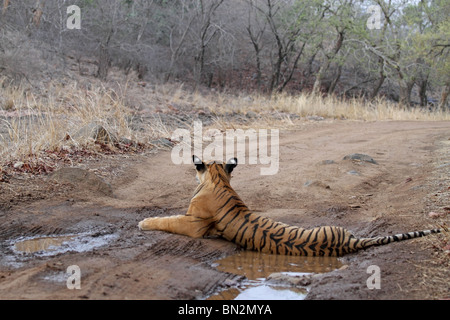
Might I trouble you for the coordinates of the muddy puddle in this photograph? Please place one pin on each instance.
(52, 245)
(41, 244)
(22, 249)
(271, 277)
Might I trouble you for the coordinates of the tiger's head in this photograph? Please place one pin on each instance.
(213, 169)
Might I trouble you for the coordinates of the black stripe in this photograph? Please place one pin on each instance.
(239, 229)
(221, 194)
(255, 228)
(293, 236)
(300, 249)
(265, 222)
(312, 246)
(350, 237)
(263, 242)
(333, 236)
(340, 233)
(309, 236)
(317, 234)
(226, 214)
(237, 207)
(242, 236)
(226, 202)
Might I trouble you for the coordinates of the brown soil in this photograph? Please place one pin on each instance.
(395, 195)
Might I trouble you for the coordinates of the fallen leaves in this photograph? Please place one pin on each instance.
(47, 161)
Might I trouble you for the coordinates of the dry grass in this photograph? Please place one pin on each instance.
(53, 119)
(328, 107)
(50, 118)
(435, 272)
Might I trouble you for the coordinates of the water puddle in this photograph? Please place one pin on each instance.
(25, 248)
(41, 244)
(53, 245)
(271, 277)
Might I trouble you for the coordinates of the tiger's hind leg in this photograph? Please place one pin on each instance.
(186, 225)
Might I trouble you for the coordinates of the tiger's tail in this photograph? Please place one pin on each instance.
(364, 243)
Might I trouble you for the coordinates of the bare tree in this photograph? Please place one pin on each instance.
(5, 6)
(256, 28)
(178, 33)
(339, 18)
(206, 30)
(291, 26)
(38, 11)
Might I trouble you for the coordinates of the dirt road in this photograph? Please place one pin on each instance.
(314, 186)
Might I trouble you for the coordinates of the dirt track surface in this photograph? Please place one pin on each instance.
(121, 262)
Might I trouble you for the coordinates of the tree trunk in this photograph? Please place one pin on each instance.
(37, 12)
(5, 6)
(377, 87)
(176, 53)
(294, 67)
(423, 92)
(318, 82)
(405, 93)
(380, 81)
(104, 60)
(276, 72)
(258, 58)
(335, 80)
(444, 97)
(199, 62)
(405, 88)
(326, 65)
(258, 71)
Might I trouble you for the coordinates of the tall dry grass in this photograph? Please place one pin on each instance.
(50, 118)
(330, 107)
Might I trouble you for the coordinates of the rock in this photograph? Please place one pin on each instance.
(315, 118)
(162, 142)
(360, 157)
(18, 165)
(316, 183)
(435, 215)
(96, 132)
(327, 162)
(290, 279)
(251, 115)
(230, 283)
(83, 180)
(128, 142)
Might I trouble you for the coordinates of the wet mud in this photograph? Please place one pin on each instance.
(271, 277)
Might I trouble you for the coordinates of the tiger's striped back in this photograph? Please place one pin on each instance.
(233, 220)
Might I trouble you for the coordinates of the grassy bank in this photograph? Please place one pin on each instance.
(58, 115)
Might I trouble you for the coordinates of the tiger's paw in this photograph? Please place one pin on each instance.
(145, 224)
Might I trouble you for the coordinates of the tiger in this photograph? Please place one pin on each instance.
(215, 209)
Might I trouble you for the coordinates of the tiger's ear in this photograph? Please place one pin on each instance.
(231, 164)
(199, 165)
